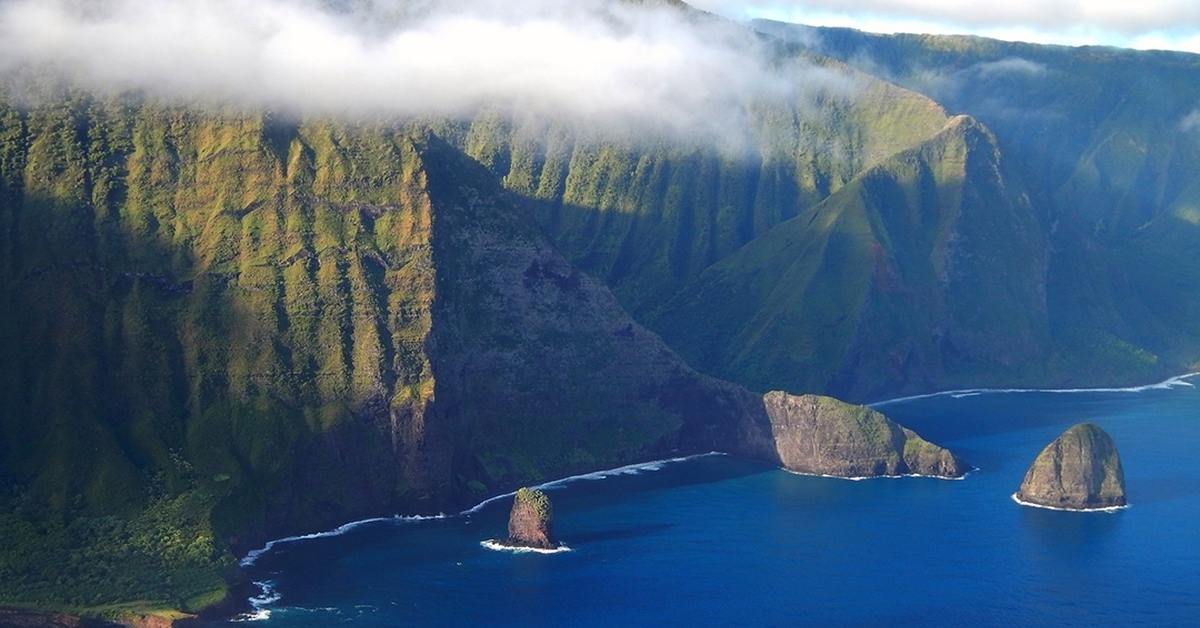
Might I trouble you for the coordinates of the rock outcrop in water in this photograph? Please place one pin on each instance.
(531, 522)
(1079, 470)
(824, 436)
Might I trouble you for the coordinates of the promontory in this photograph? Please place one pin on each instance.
(823, 436)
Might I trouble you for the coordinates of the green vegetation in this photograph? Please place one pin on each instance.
(203, 313)
(221, 326)
(823, 435)
(538, 500)
(1105, 143)
(925, 268)
(648, 214)
(165, 554)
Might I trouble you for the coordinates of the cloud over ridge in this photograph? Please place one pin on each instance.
(593, 60)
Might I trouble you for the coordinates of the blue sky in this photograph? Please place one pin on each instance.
(1144, 24)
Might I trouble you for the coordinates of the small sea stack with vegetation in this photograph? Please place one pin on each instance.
(530, 523)
(1079, 470)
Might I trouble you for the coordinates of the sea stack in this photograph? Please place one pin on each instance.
(824, 436)
(1080, 470)
(531, 522)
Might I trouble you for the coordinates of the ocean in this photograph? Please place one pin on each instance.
(716, 541)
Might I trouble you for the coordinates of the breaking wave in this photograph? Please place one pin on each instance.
(1179, 380)
(259, 602)
(629, 469)
(498, 546)
(253, 555)
(1033, 505)
(859, 478)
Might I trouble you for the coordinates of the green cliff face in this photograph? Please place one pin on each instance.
(223, 326)
(1107, 142)
(205, 314)
(220, 327)
(927, 270)
(646, 214)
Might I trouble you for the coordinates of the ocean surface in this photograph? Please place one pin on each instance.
(716, 541)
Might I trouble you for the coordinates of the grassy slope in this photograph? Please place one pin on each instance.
(1105, 145)
(648, 214)
(221, 327)
(205, 315)
(925, 270)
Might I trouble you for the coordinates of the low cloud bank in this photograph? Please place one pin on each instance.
(597, 61)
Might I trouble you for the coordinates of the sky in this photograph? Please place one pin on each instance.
(1142, 24)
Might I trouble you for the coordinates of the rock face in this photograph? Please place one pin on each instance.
(531, 522)
(1079, 470)
(821, 435)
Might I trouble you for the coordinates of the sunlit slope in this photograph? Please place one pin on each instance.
(1109, 133)
(213, 314)
(223, 327)
(1108, 142)
(926, 271)
(649, 211)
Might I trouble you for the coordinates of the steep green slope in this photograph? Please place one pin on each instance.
(650, 211)
(1110, 133)
(205, 313)
(219, 327)
(223, 326)
(1108, 143)
(926, 271)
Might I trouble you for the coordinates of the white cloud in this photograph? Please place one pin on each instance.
(1190, 122)
(1163, 24)
(592, 59)
(1010, 66)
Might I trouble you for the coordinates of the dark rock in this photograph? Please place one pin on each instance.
(531, 522)
(20, 618)
(824, 436)
(1079, 470)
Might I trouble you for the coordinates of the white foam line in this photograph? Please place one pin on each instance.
(859, 478)
(253, 555)
(259, 602)
(1179, 380)
(1033, 505)
(493, 544)
(629, 469)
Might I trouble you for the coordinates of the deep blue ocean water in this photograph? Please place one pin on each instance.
(716, 541)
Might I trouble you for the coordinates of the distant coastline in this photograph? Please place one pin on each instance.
(1166, 384)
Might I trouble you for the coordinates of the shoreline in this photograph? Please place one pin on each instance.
(653, 465)
(1108, 509)
(629, 469)
(860, 478)
(268, 595)
(497, 545)
(1167, 384)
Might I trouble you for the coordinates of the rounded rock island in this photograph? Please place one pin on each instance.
(1079, 470)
